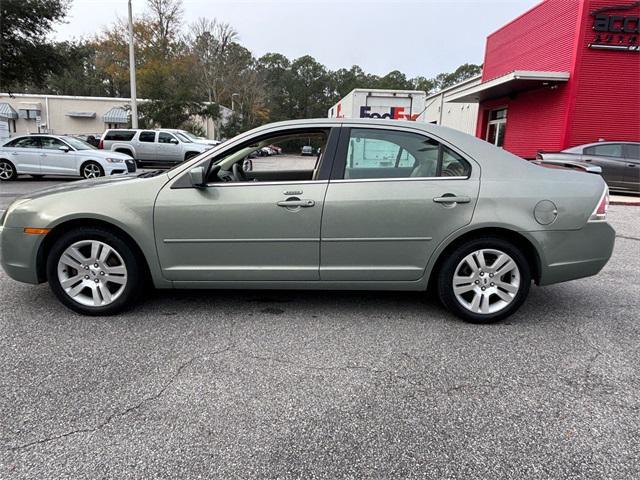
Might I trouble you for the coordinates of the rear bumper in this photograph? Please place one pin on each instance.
(571, 254)
(18, 254)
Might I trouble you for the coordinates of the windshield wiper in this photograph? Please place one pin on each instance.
(152, 173)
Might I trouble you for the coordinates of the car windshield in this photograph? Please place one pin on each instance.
(189, 134)
(78, 144)
(183, 136)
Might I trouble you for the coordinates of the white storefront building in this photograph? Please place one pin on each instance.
(460, 116)
(64, 114)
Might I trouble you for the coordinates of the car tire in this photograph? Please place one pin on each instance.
(94, 271)
(484, 280)
(7, 171)
(91, 169)
(189, 155)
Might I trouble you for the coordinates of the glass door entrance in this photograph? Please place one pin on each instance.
(497, 127)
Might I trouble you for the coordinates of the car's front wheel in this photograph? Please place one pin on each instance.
(91, 170)
(93, 271)
(7, 170)
(484, 280)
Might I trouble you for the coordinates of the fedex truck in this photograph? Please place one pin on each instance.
(377, 103)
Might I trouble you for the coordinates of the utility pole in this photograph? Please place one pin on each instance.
(132, 73)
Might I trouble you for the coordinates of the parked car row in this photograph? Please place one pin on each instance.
(117, 151)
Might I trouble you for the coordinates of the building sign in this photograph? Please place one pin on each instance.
(615, 29)
(394, 113)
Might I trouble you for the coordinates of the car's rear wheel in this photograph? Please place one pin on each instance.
(91, 170)
(7, 171)
(484, 280)
(94, 271)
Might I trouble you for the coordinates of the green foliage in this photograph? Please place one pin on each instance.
(25, 56)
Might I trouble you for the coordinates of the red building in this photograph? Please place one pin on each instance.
(566, 72)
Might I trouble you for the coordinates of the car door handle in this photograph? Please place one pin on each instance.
(451, 199)
(296, 203)
(631, 164)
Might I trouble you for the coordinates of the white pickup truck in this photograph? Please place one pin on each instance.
(152, 148)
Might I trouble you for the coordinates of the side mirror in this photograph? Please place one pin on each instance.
(247, 165)
(174, 141)
(197, 177)
(594, 169)
(63, 148)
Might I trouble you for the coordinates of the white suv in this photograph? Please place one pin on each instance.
(158, 148)
(39, 155)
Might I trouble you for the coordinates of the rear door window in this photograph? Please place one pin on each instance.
(378, 153)
(120, 135)
(24, 142)
(147, 137)
(606, 150)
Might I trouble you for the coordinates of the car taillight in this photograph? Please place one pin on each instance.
(101, 144)
(600, 213)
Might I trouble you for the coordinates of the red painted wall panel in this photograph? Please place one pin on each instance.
(540, 39)
(606, 96)
(601, 99)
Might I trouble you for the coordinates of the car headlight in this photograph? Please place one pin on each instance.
(114, 160)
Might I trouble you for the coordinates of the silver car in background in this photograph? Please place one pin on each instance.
(618, 162)
(61, 155)
(380, 205)
(162, 148)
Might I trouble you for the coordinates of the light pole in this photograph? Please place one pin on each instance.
(233, 103)
(132, 73)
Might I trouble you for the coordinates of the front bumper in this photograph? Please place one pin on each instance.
(571, 254)
(18, 254)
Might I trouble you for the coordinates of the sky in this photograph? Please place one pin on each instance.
(416, 37)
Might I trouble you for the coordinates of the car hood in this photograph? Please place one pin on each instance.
(100, 182)
(106, 154)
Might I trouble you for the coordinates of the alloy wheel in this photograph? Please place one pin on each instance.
(92, 273)
(91, 171)
(486, 281)
(6, 171)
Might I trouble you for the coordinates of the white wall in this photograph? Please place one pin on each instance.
(57, 121)
(461, 116)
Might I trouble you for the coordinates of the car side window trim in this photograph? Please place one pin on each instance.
(324, 171)
(340, 159)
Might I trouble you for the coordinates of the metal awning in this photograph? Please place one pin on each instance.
(506, 85)
(7, 111)
(116, 115)
(81, 114)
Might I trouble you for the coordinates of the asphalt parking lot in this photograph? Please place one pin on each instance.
(280, 384)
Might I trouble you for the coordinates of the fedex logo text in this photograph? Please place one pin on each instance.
(395, 113)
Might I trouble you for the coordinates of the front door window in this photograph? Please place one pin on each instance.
(497, 127)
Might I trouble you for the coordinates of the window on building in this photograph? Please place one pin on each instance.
(497, 127)
(374, 153)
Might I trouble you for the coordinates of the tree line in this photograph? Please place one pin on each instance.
(183, 69)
